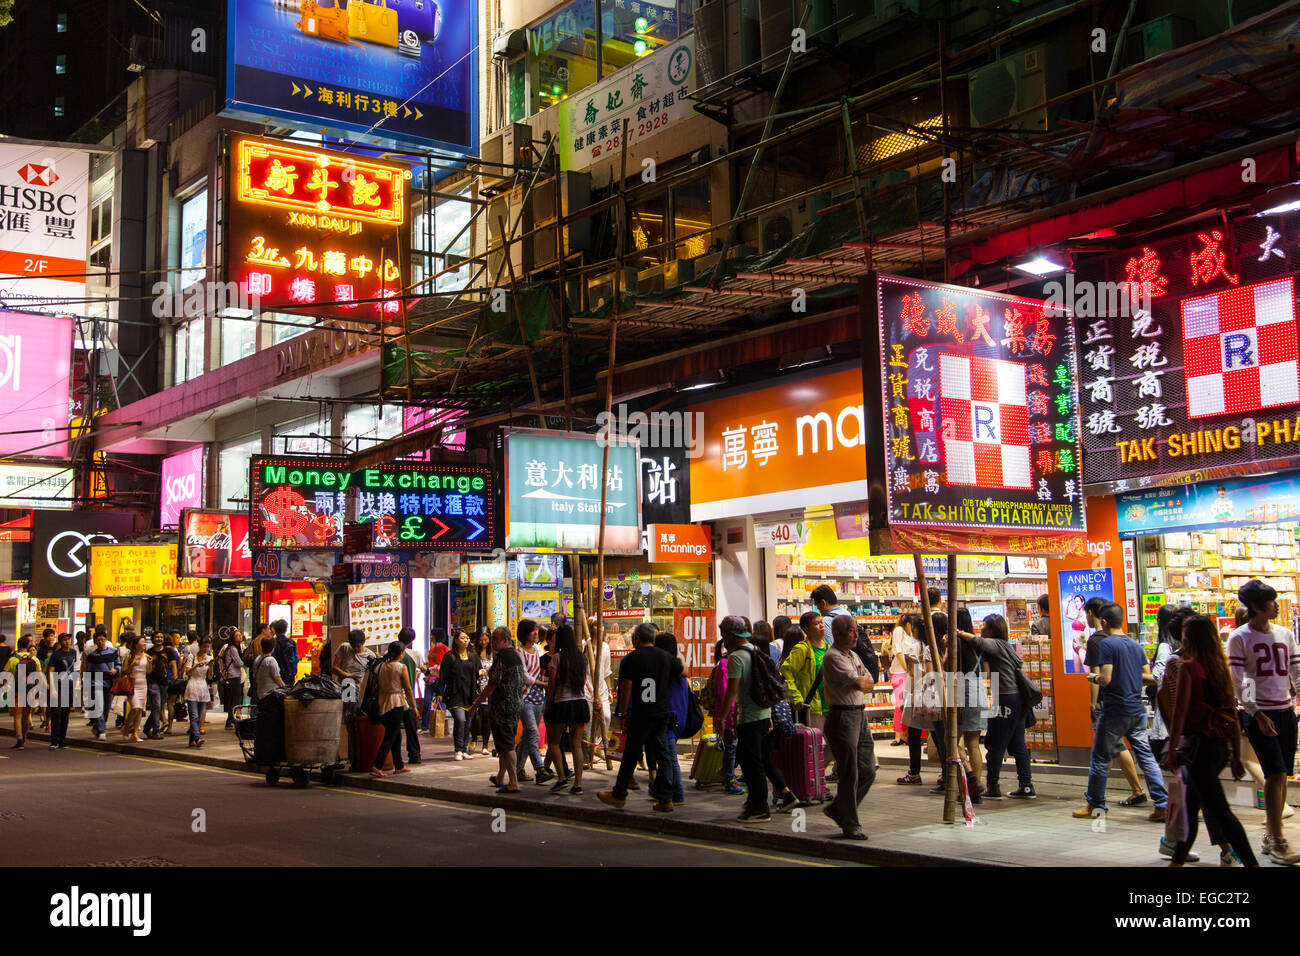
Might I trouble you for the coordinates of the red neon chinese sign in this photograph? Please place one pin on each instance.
(319, 183)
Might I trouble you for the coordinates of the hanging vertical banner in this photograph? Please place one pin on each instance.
(977, 447)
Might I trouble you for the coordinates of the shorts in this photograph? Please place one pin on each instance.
(1276, 754)
(972, 720)
(565, 712)
(503, 737)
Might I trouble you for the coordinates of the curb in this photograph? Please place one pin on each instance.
(829, 848)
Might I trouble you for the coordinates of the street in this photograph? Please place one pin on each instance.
(82, 808)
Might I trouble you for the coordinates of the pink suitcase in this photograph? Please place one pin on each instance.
(800, 760)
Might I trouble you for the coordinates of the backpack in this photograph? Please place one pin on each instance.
(866, 652)
(708, 694)
(694, 717)
(286, 655)
(370, 700)
(766, 686)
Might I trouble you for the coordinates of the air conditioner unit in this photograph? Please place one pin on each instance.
(1146, 40)
(775, 232)
(503, 210)
(506, 146)
(858, 17)
(1020, 83)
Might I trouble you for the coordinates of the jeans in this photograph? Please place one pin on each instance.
(232, 695)
(527, 746)
(197, 709)
(1007, 733)
(650, 735)
(426, 706)
(1111, 731)
(392, 722)
(157, 700)
(849, 737)
(1209, 755)
(675, 786)
(460, 730)
(753, 750)
(59, 724)
(100, 723)
(409, 721)
(728, 756)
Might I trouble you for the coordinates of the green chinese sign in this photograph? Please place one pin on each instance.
(553, 492)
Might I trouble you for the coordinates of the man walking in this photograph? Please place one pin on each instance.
(60, 678)
(504, 695)
(753, 743)
(847, 731)
(1264, 661)
(534, 704)
(1124, 755)
(410, 718)
(286, 653)
(1122, 672)
(100, 666)
(646, 678)
(25, 667)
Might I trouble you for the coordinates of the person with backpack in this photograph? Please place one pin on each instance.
(386, 693)
(754, 684)
(286, 652)
(231, 670)
(646, 679)
(24, 665)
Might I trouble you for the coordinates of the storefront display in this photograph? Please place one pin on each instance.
(306, 605)
(376, 608)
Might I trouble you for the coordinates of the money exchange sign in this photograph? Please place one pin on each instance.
(297, 503)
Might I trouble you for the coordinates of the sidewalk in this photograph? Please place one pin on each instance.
(903, 822)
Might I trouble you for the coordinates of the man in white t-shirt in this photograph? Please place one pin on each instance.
(1264, 661)
(266, 672)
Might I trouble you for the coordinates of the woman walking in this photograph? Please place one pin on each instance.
(567, 709)
(898, 673)
(1203, 736)
(914, 716)
(458, 680)
(479, 725)
(198, 692)
(1007, 728)
(972, 716)
(1169, 638)
(395, 696)
(137, 666)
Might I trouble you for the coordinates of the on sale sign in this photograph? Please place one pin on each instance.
(696, 638)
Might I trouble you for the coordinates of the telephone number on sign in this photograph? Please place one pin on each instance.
(650, 125)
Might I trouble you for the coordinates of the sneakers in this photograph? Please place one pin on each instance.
(1158, 815)
(786, 803)
(1228, 857)
(733, 789)
(939, 789)
(909, 778)
(544, 775)
(1167, 849)
(1279, 851)
(459, 756)
(1023, 793)
(993, 792)
(607, 797)
(753, 816)
(1087, 812)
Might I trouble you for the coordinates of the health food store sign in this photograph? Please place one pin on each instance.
(979, 429)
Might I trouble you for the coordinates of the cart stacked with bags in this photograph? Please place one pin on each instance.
(294, 729)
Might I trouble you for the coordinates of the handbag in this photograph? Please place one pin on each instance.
(1176, 818)
(176, 687)
(123, 686)
(782, 719)
(329, 23)
(372, 22)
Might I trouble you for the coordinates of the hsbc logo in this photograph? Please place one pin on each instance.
(38, 175)
(68, 553)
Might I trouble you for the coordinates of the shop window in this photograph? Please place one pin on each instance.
(60, 64)
(667, 221)
(193, 252)
(238, 338)
(61, 24)
(430, 237)
(562, 54)
(516, 90)
(232, 464)
(645, 223)
(365, 425)
(690, 211)
(630, 29)
(287, 325)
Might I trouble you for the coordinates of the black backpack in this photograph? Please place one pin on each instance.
(694, 717)
(370, 700)
(766, 687)
(866, 652)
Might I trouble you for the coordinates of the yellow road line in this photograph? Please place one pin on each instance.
(184, 764)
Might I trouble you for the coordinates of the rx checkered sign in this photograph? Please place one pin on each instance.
(1240, 350)
(984, 422)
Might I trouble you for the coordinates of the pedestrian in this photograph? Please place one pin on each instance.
(724, 721)
(157, 681)
(646, 677)
(1264, 657)
(972, 713)
(937, 730)
(25, 667)
(458, 682)
(828, 605)
(1006, 728)
(44, 648)
(1122, 672)
(597, 688)
(678, 706)
(780, 624)
(60, 678)
(232, 675)
(432, 661)
(1203, 732)
(898, 673)
(848, 733)
(101, 665)
(414, 667)
(753, 723)
(478, 724)
(266, 672)
(802, 670)
(547, 640)
(6, 651)
(567, 708)
(1124, 757)
(395, 696)
(286, 652)
(198, 693)
(1165, 657)
(534, 704)
(764, 637)
(175, 688)
(504, 695)
(1042, 626)
(137, 666)
(917, 662)
(348, 665)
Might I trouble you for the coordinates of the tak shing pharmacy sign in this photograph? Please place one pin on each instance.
(977, 445)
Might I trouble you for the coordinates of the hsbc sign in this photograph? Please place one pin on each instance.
(61, 542)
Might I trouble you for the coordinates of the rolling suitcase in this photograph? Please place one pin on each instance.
(801, 762)
(706, 768)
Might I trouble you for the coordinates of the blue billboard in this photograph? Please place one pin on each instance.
(1233, 502)
(400, 70)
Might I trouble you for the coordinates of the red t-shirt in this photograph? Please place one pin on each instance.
(1199, 708)
(435, 663)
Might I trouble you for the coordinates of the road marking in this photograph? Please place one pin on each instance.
(578, 826)
(179, 764)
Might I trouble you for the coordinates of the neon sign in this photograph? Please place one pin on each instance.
(297, 502)
(320, 184)
(414, 504)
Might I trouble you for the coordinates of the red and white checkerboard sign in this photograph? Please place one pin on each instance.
(1240, 350)
(984, 422)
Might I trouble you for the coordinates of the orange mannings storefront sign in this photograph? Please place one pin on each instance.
(692, 543)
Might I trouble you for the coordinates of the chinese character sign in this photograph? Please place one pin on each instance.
(297, 502)
(980, 427)
(652, 93)
(553, 492)
(317, 227)
(415, 505)
(44, 199)
(400, 69)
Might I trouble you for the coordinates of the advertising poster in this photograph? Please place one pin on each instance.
(44, 227)
(37, 486)
(696, 637)
(138, 570)
(979, 434)
(396, 69)
(1209, 505)
(61, 542)
(182, 485)
(553, 492)
(297, 503)
(376, 608)
(214, 544)
(1076, 588)
(35, 374)
(194, 238)
(412, 505)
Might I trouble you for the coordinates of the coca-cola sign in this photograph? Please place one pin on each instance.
(214, 544)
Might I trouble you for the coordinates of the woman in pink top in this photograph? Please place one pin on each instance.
(725, 722)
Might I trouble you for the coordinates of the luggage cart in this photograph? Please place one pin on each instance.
(246, 732)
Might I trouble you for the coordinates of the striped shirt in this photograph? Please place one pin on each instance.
(1263, 665)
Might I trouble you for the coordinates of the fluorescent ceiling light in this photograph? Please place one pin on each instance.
(1039, 266)
(696, 388)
